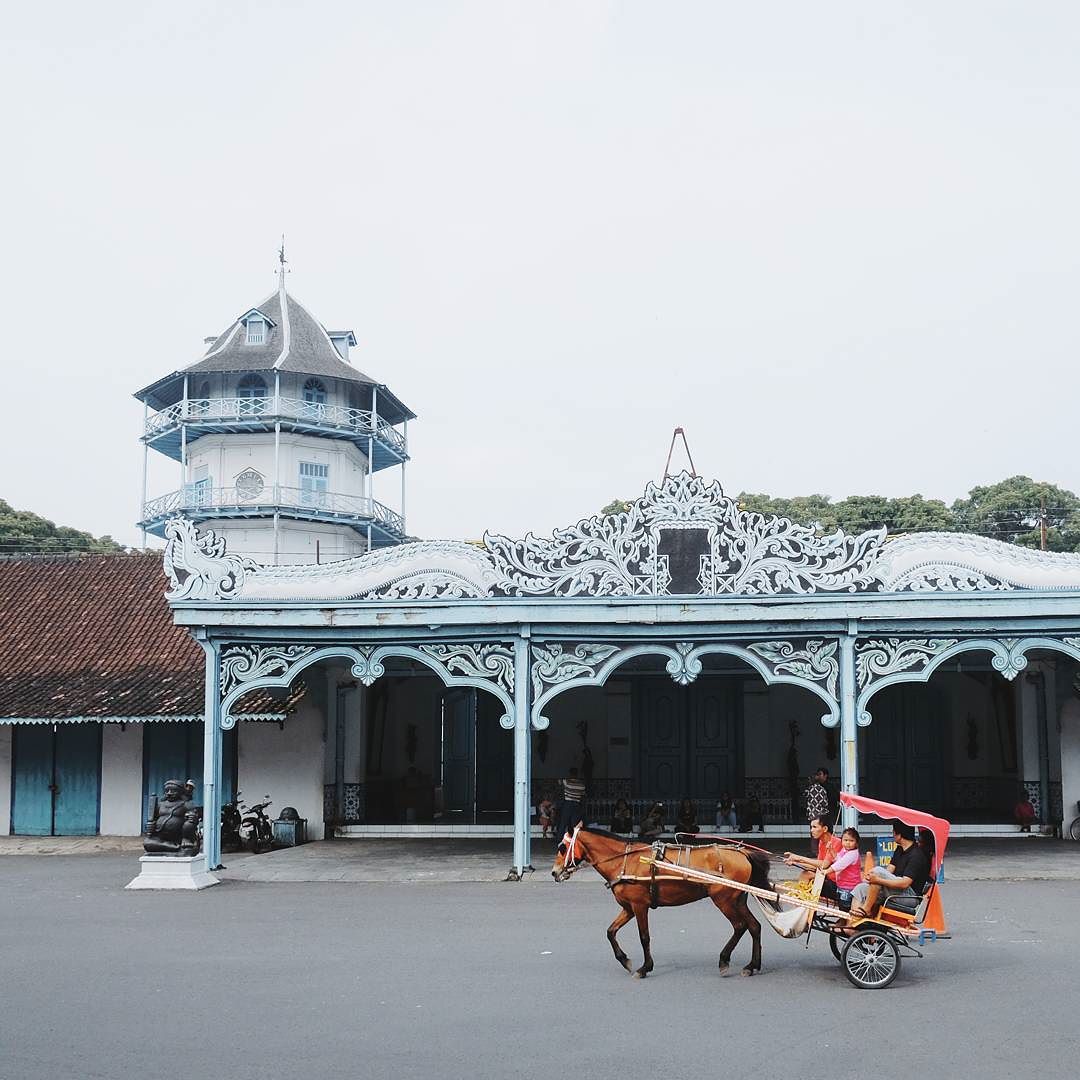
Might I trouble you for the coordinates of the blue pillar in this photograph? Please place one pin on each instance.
(522, 759)
(849, 728)
(212, 757)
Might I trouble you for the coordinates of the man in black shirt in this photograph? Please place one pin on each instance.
(906, 875)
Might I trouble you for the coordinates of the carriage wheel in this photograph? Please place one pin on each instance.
(836, 943)
(871, 960)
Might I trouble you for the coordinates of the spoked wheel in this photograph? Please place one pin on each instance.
(871, 960)
(836, 943)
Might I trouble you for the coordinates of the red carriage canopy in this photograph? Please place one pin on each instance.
(939, 827)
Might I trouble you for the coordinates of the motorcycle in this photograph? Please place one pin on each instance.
(256, 832)
(231, 821)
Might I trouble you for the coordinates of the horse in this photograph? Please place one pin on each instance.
(638, 886)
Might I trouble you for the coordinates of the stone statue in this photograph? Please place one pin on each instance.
(173, 825)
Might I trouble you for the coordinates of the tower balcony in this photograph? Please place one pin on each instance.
(201, 502)
(232, 415)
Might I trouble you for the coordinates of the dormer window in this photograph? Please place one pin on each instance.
(256, 331)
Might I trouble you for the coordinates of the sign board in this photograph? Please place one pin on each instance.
(886, 847)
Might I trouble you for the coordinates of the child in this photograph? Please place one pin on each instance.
(844, 872)
(546, 813)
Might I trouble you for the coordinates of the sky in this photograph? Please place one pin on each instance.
(837, 243)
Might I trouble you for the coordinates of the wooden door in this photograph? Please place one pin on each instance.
(661, 727)
(714, 766)
(56, 779)
(494, 758)
(458, 708)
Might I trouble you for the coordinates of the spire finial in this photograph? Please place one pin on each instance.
(282, 260)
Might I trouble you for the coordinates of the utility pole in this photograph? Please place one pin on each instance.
(1042, 521)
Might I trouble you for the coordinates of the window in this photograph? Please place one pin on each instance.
(201, 493)
(251, 390)
(256, 331)
(249, 484)
(314, 392)
(313, 483)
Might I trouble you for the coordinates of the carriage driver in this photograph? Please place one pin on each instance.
(905, 876)
(828, 847)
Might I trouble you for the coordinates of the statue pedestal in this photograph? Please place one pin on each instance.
(173, 872)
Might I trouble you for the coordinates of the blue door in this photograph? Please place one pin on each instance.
(459, 760)
(57, 779)
(174, 751)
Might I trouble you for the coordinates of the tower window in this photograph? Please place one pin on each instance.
(314, 392)
(314, 480)
(256, 331)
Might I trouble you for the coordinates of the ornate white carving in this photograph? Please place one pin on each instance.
(816, 660)
(684, 668)
(643, 552)
(881, 657)
(555, 663)
(428, 570)
(246, 663)
(486, 661)
(366, 669)
(748, 553)
(961, 562)
(198, 566)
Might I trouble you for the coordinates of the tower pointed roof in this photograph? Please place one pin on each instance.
(293, 341)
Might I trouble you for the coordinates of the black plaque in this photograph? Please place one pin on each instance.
(683, 548)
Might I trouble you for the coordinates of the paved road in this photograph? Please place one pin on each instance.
(482, 981)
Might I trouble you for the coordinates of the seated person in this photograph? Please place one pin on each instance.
(545, 812)
(828, 847)
(844, 872)
(1024, 813)
(622, 820)
(687, 822)
(652, 824)
(725, 812)
(751, 816)
(904, 877)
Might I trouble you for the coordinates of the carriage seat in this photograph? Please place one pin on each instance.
(909, 908)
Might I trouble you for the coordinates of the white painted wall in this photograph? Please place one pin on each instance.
(121, 780)
(1070, 757)
(286, 764)
(5, 778)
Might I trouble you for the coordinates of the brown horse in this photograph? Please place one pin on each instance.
(638, 885)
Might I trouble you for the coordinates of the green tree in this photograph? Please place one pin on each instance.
(23, 531)
(815, 510)
(616, 506)
(912, 513)
(1011, 511)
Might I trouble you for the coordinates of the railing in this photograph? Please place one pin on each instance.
(242, 409)
(270, 498)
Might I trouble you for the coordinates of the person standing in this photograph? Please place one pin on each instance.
(817, 803)
(572, 807)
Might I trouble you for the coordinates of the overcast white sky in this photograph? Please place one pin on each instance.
(838, 243)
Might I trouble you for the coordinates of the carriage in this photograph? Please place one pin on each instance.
(869, 948)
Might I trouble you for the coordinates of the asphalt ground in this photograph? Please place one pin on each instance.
(260, 981)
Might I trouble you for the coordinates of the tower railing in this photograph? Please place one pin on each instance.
(270, 498)
(254, 409)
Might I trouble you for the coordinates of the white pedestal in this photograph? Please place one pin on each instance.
(173, 872)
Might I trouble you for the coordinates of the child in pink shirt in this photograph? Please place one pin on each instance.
(844, 872)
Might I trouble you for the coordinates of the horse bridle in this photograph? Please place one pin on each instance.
(570, 859)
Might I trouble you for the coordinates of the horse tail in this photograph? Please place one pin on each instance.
(759, 869)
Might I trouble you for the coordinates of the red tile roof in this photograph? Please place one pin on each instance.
(92, 635)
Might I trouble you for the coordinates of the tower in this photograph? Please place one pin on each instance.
(278, 437)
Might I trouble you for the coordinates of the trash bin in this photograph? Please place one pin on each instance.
(290, 828)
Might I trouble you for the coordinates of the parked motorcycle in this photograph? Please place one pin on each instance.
(256, 832)
(231, 822)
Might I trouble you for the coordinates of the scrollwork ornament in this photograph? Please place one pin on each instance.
(366, 669)
(245, 663)
(814, 660)
(684, 668)
(198, 565)
(554, 663)
(486, 661)
(880, 657)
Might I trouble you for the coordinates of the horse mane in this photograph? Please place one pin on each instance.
(607, 835)
(759, 868)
